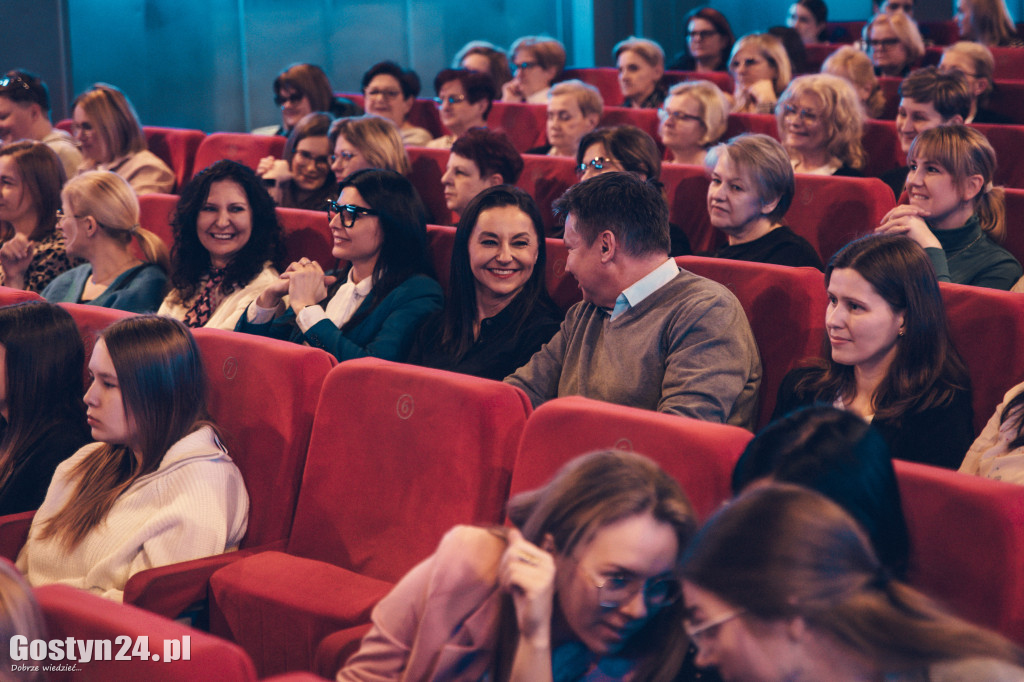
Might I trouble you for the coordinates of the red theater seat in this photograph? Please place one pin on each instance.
(1007, 99)
(1014, 242)
(428, 165)
(604, 78)
(524, 124)
(1008, 141)
(686, 188)
(1009, 63)
(306, 234)
(786, 310)
(399, 454)
(9, 296)
(720, 78)
(241, 147)
(882, 146)
(91, 320)
(751, 123)
(644, 119)
(830, 211)
(545, 178)
(156, 211)
(176, 147)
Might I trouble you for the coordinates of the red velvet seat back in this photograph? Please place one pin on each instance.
(686, 188)
(1014, 242)
(817, 54)
(156, 211)
(830, 211)
(1009, 63)
(306, 234)
(545, 178)
(698, 454)
(890, 87)
(176, 147)
(91, 320)
(604, 78)
(644, 119)
(1008, 99)
(241, 147)
(399, 454)
(9, 296)
(75, 613)
(882, 146)
(1008, 141)
(786, 310)
(428, 165)
(263, 395)
(720, 78)
(524, 124)
(988, 331)
(966, 544)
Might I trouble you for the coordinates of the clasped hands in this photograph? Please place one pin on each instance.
(304, 282)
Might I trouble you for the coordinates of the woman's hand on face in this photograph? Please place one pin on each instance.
(265, 166)
(909, 220)
(527, 572)
(512, 92)
(15, 256)
(762, 94)
(307, 284)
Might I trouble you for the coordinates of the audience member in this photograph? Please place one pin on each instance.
(43, 418)
(25, 115)
(100, 221)
(584, 585)
(373, 308)
(709, 40)
(227, 247)
(479, 159)
(21, 615)
(891, 6)
(300, 90)
(157, 487)
(536, 62)
(498, 312)
(998, 453)
(760, 68)
(463, 100)
(303, 178)
(693, 118)
(751, 189)
(108, 129)
(837, 454)
(928, 99)
(808, 18)
(894, 43)
(793, 46)
(821, 125)
(646, 334)
(362, 142)
(782, 584)
(890, 358)
(484, 57)
(641, 65)
(31, 249)
(574, 109)
(977, 65)
(986, 22)
(955, 213)
(850, 63)
(390, 91)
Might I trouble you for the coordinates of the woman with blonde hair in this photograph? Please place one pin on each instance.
(852, 64)
(108, 129)
(894, 43)
(760, 67)
(976, 63)
(782, 584)
(693, 118)
(986, 22)
(361, 142)
(955, 212)
(31, 250)
(157, 487)
(641, 65)
(100, 221)
(821, 125)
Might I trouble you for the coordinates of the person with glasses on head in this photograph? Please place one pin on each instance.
(536, 62)
(372, 307)
(463, 100)
(25, 115)
(782, 584)
(390, 91)
(894, 43)
(709, 40)
(693, 118)
(977, 65)
(641, 65)
(761, 70)
(821, 125)
(362, 142)
(302, 89)
(583, 586)
(574, 109)
(479, 159)
(303, 178)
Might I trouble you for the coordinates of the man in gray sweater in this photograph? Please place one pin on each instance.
(647, 334)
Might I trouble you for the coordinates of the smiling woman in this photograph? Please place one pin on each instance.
(303, 178)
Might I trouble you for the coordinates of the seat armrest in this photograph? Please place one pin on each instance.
(14, 532)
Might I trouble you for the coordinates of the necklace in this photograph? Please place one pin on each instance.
(950, 255)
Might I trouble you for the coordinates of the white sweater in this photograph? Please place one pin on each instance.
(230, 309)
(194, 505)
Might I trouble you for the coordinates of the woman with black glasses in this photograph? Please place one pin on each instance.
(372, 307)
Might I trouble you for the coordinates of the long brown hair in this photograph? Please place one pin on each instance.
(42, 175)
(163, 390)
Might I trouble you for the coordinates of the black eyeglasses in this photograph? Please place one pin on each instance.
(349, 213)
(524, 65)
(293, 98)
(450, 99)
(701, 35)
(884, 44)
(597, 163)
(322, 162)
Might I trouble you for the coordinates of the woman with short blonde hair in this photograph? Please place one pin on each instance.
(761, 69)
(855, 66)
(360, 142)
(821, 125)
(693, 118)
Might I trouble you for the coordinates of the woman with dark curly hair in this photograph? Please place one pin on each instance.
(227, 247)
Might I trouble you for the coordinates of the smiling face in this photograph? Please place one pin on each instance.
(224, 223)
(347, 159)
(733, 202)
(803, 22)
(294, 105)
(503, 250)
(862, 327)
(749, 66)
(888, 54)
(566, 124)
(637, 548)
(703, 39)
(361, 243)
(584, 262)
(104, 407)
(913, 118)
(931, 187)
(310, 163)
(462, 181)
(637, 78)
(93, 146)
(383, 97)
(16, 203)
(683, 128)
(803, 125)
(458, 117)
(15, 120)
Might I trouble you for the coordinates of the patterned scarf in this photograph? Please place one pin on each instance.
(207, 300)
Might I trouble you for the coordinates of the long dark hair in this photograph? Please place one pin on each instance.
(190, 260)
(927, 371)
(460, 311)
(403, 227)
(42, 176)
(43, 369)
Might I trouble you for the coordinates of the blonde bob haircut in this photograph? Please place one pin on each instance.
(587, 96)
(904, 28)
(773, 51)
(547, 52)
(648, 50)
(713, 105)
(763, 159)
(376, 138)
(841, 114)
(114, 119)
(855, 66)
(964, 152)
(109, 200)
(981, 59)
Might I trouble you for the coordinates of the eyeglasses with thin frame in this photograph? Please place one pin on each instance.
(386, 94)
(883, 44)
(347, 156)
(598, 163)
(677, 116)
(701, 35)
(450, 99)
(805, 115)
(709, 629)
(322, 162)
(349, 213)
(293, 98)
(615, 590)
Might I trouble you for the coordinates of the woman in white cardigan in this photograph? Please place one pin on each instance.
(157, 487)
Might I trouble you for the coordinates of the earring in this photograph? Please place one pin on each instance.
(901, 333)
